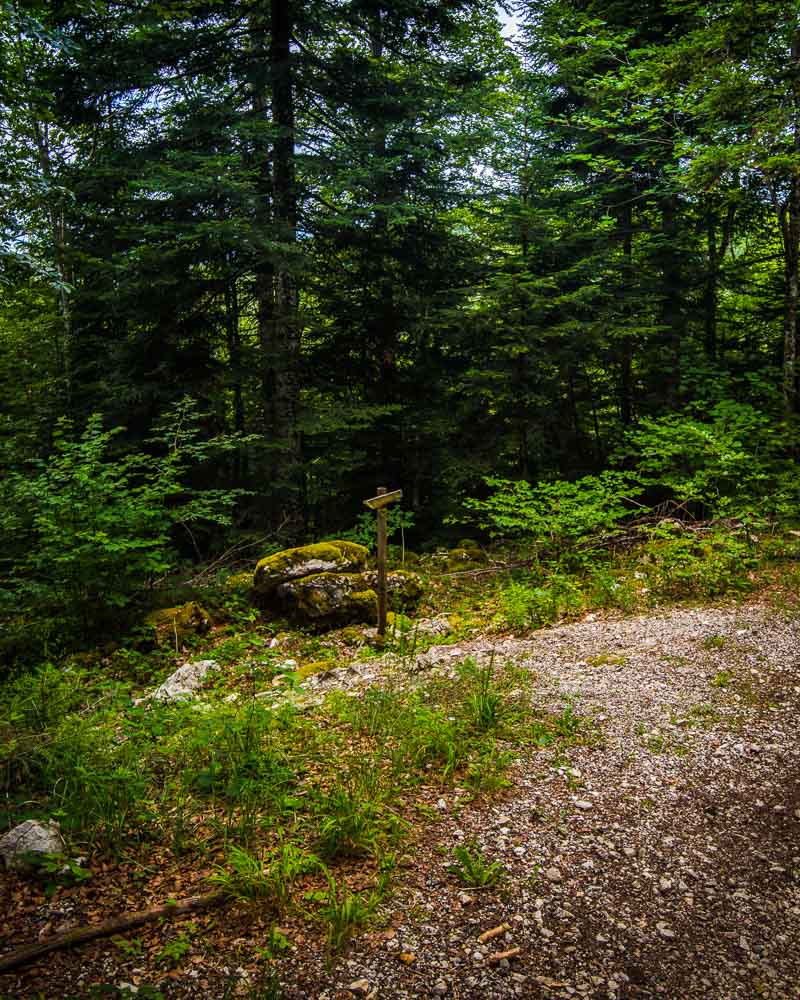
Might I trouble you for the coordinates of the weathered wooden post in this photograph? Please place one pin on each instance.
(379, 504)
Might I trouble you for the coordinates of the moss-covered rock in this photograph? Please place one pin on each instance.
(172, 626)
(307, 560)
(465, 559)
(403, 587)
(329, 598)
(315, 667)
(240, 583)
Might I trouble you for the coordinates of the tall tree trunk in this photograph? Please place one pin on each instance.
(626, 347)
(285, 330)
(384, 309)
(235, 361)
(672, 312)
(275, 286)
(710, 286)
(790, 231)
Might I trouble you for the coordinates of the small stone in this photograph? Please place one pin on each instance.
(407, 957)
(465, 899)
(440, 989)
(519, 851)
(553, 875)
(504, 820)
(583, 804)
(546, 933)
(665, 930)
(30, 837)
(665, 884)
(477, 956)
(360, 987)
(629, 852)
(441, 805)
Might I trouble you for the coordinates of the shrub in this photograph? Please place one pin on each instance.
(555, 516)
(89, 528)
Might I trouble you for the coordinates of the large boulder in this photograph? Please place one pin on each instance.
(404, 588)
(335, 557)
(30, 837)
(329, 598)
(339, 598)
(172, 626)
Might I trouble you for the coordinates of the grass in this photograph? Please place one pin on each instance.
(291, 809)
(472, 868)
(271, 802)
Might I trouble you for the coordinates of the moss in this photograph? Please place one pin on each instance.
(468, 543)
(315, 667)
(171, 626)
(466, 556)
(404, 588)
(307, 560)
(357, 554)
(240, 581)
(365, 602)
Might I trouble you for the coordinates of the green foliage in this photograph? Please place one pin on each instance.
(398, 521)
(344, 912)
(679, 563)
(557, 516)
(91, 528)
(526, 607)
(472, 868)
(175, 950)
(352, 819)
(731, 460)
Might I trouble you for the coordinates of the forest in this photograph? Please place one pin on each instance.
(257, 260)
(535, 263)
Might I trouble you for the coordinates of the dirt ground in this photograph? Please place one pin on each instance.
(661, 860)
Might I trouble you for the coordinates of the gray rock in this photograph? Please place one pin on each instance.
(553, 875)
(181, 685)
(30, 837)
(308, 560)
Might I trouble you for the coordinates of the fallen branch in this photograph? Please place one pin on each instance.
(79, 935)
(498, 956)
(493, 933)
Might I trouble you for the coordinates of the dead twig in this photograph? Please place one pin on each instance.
(493, 933)
(79, 935)
(498, 956)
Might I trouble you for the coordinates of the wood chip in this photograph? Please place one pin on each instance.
(493, 933)
(498, 956)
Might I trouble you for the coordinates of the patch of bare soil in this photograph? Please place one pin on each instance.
(661, 860)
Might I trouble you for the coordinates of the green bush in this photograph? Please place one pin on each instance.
(89, 528)
(732, 461)
(690, 564)
(555, 517)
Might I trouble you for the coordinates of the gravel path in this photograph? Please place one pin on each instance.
(663, 862)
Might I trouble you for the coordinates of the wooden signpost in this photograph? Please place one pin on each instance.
(379, 504)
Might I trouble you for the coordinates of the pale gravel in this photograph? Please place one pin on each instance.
(661, 862)
(669, 868)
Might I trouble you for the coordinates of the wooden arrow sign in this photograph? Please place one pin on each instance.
(384, 499)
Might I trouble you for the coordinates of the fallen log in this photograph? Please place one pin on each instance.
(79, 935)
